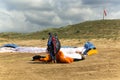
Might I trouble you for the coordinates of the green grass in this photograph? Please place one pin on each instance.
(109, 29)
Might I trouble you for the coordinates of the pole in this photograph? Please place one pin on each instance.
(103, 14)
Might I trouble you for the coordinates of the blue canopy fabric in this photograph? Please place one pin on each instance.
(10, 45)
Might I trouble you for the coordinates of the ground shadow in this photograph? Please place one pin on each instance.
(37, 62)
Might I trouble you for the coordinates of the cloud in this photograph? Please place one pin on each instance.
(35, 15)
(27, 5)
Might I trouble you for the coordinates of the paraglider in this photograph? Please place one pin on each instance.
(57, 54)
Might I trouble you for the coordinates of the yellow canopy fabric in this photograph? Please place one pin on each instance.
(92, 51)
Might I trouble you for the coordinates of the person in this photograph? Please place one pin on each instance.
(50, 47)
(53, 46)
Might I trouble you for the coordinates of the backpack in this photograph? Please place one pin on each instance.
(88, 46)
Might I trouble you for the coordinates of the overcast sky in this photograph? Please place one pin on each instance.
(36, 15)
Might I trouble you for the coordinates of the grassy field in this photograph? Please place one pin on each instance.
(103, 66)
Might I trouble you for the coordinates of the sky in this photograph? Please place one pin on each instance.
(36, 15)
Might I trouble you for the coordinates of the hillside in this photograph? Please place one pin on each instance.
(86, 30)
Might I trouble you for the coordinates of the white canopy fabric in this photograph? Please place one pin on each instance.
(73, 52)
(68, 52)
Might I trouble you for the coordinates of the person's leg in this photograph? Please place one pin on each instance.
(52, 55)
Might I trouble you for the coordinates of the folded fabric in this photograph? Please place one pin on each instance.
(92, 51)
(88, 46)
(10, 45)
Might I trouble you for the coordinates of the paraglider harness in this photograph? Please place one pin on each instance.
(53, 46)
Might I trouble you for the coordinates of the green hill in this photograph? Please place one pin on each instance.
(109, 29)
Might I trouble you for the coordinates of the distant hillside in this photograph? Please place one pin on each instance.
(86, 30)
